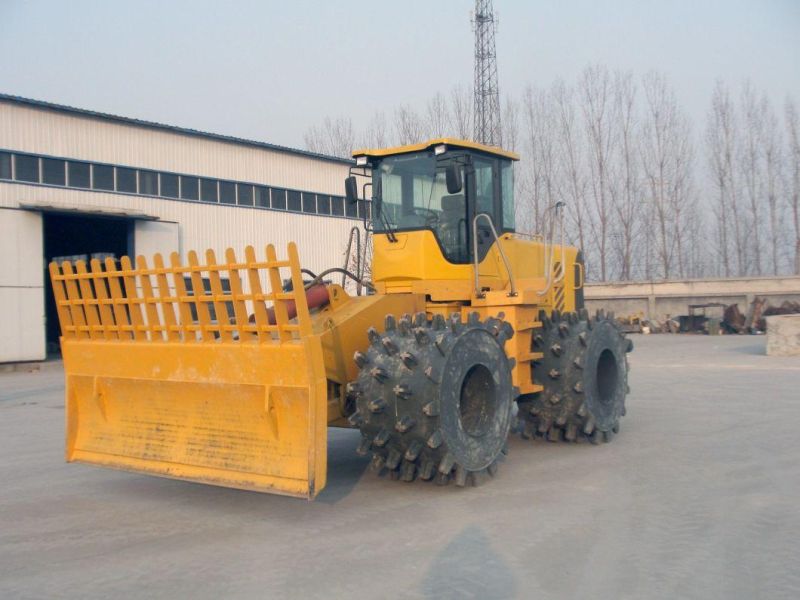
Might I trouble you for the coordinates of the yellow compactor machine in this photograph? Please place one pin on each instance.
(228, 370)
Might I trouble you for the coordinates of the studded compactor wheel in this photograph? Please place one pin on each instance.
(434, 397)
(584, 371)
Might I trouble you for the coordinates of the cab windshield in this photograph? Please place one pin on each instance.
(412, 194)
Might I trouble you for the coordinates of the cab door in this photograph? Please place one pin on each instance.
(484, 194)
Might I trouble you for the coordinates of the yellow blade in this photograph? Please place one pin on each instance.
(183, 383)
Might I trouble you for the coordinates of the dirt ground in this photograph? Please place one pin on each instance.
(698, 497)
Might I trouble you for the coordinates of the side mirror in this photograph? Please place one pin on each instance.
(351, 189)
(453, 176)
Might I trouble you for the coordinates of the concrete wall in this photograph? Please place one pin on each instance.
(664, 299)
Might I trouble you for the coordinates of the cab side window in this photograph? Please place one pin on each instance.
(507, 191)
(484, 186)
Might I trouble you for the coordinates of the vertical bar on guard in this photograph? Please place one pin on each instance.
(167, 308)
(60, 294)
(180, 291)
(278, 306)
(259, 308)
(150, 309)
(87, 298)
(134, 308)
(118, 300)
(76, 311)
(301, 302)
(200, 299)
(101, 292)
(237, 294)
(220, 308)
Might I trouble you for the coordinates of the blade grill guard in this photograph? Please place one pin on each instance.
(152, 304)
(156, 383)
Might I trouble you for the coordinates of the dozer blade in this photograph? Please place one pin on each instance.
(194, 371)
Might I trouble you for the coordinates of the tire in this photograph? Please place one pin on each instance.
(584, 371)
(434, 398)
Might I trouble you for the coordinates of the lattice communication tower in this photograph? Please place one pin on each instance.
(486, 116)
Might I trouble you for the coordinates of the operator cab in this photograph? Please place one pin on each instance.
(440, 186)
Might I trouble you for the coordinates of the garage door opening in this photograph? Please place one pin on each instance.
(74, 237)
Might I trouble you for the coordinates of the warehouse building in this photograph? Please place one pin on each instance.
(80, 184)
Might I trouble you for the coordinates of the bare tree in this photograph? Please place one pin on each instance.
(624, 188)
(595, 88)
(681, 197)
(750, 168)
(667, 158)
(376, 134)
(408, 125)
(721, 139)
(461, 112)
(793, 133)
(716, 147)
(770, 143)
(437, 116)
(510, 123)
(540, 162)
(335, 137)
(656, 152)
(571, 155)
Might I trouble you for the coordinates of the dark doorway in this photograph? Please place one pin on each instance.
(73, 237)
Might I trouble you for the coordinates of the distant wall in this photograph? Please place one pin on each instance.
(664, 299)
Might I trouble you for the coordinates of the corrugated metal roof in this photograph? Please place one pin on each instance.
(179, 130)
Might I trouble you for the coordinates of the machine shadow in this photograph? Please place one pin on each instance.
(345, 467)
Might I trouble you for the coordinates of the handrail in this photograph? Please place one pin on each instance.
(549, 249)
(478, 292)
(355, 231)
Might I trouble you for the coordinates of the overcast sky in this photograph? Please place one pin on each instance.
(266, 70)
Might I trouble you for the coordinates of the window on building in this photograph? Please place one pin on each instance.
(5, 165)
(54, 171)
(78, 175)
(279, 198)
(26, 168)
(323, 204)
(227, 192)
(351, 209)
(363, 209)
(169, 185)
(126, 180)
(190, 188)
(102, 177)
(262, 196)
(208, 190)
(293, 201)
(309, 203)
(337, 205)
(245, 194)
(148, 183)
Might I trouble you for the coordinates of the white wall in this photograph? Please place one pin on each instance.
(29, 129)
(321, 241)
(22, 334)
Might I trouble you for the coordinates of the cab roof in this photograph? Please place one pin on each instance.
(454, 142)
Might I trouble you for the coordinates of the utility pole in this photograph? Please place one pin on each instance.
(486, 117)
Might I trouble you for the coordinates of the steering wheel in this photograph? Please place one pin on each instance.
(431, 216)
